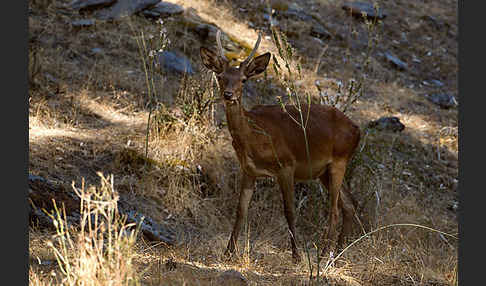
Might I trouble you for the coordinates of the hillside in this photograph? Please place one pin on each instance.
(91, 98)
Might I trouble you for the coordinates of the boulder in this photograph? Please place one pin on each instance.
(123, 8)
(173, 62)
(90, 4)
(43, 192)
(164, 10)
(358, 8)
(444, 100)
(392, 124)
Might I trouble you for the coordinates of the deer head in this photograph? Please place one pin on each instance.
(231, 78)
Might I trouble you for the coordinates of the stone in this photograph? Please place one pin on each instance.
(170, 61)
(392, 124)
(320, 32)
(42, 192)
(453, 206)
(164, 10)
(148, 227)
(433, 82)
(36, 178)
(357, 8)
(396, 62)
(124, 8)
(96, 51)
(205, 30)
(83, 23)
(295, 12)
(90, 4)
(444, 100)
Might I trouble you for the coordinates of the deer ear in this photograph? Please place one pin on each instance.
(211, 60)
(257, 65)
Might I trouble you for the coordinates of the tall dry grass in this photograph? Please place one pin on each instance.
(101, 250)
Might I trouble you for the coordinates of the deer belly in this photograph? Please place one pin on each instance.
(256, 168)
(303, 172)
(255, 162)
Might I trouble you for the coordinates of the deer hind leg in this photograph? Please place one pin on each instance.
(332, 179)
(286, 182)
(247, 186)
(348, 206)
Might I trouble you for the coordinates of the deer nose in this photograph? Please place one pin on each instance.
(227, 95)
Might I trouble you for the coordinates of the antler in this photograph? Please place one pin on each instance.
(220, 47)
(248, 59)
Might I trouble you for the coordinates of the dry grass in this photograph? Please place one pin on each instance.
(88, 113)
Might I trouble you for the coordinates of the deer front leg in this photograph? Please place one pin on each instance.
(286, 182)
(246, 191)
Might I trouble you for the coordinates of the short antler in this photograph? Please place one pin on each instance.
(220, 47)
(248, 59)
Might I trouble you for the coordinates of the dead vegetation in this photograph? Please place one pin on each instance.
(88, 113)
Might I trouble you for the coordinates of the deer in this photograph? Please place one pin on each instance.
(268, 143)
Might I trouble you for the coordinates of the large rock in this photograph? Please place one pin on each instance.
(295, 12)
(164, 10)
(170, 61)
(392, 124)
(124, 8)
(358, 8)
(443, 100)
(90, 4)
(42, 192)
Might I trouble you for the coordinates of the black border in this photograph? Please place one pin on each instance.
(14, 210)
(471, 128)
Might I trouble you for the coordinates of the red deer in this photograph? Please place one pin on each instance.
(268, 142)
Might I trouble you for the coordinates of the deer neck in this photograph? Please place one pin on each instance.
(237, 122)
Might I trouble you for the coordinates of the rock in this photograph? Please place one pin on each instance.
(96, 51)
(172, 62)
(148, 227)
(90, 4)
(444, 100)
(357, 8)
(453, 206)
(123, 8)
(42, 192)
(36, 178)
(296, 12)
(392, 124)
(83, 23)
(205, 30)
(396, 62)
(320, 32)
(164, 10)
(433, 82)
(437, 24)
(231, 277)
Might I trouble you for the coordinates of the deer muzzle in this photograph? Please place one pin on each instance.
(228, 95)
